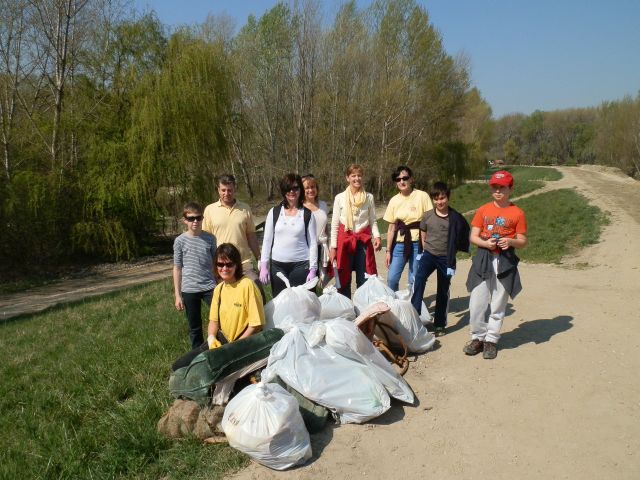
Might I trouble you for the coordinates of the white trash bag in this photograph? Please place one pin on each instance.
(335, 305)
(298, 303)
(407, 322)
(406, 294)
(371, 291)
(305, 362)
(263, 420)
(347, 340)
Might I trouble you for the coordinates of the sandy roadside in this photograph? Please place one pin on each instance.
(562, 399)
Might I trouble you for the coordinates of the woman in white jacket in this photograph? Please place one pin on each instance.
(354, 232)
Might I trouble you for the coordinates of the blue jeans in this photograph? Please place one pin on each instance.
(193, 309)
(398, 263)
(425, 267)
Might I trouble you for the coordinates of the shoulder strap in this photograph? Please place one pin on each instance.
(307, 219)
(275, 213)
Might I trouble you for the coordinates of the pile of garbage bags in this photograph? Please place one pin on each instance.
(325, 358)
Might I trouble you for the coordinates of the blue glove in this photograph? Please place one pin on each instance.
(451, 272)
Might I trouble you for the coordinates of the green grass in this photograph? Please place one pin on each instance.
(559, 223)
(83, 387)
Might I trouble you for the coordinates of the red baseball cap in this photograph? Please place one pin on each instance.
(501, 177)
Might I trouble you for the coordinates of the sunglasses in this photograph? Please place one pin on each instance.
(193, 218)
(293, 189)
(225, 264)
(402, 179)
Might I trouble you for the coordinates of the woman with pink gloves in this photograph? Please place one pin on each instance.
(290, 240)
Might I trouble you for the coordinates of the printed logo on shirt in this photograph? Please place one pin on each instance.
(498, 227)
(237, 304)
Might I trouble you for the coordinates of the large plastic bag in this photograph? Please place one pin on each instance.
(293, 303)
(371, 291)
(425, 316)
(335, 305)
(406, 321)
(304, 361)
(264, 422)
(347, 340)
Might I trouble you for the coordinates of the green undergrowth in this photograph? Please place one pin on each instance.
(84, 385)
(559, 223)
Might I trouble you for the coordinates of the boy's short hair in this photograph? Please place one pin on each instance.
(439, 188)
(398, 170)
(191, 207)
(227, 179)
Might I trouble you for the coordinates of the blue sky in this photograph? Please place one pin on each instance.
(525, 55)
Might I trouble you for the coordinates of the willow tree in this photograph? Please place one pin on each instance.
(177, 136)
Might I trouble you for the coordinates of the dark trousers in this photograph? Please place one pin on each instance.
(296, 273)
(193, 309)
(423, 268)
(357, 262)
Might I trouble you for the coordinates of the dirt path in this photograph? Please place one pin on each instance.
(562, 399)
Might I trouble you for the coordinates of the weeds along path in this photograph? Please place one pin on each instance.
(561, 399)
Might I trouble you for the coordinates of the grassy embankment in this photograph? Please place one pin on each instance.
(84, 385)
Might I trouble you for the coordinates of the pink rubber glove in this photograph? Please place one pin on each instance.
(264, 272)
(313, 273)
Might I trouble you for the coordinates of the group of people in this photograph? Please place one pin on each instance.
(213, 257)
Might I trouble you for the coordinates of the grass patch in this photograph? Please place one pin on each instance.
(84, 385)
(559, 223)
(547, 174)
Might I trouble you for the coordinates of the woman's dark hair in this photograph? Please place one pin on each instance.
(439, 188)
(396, 173)
(229, 251)
(289, 181)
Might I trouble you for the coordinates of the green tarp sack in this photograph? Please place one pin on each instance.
(194, 381)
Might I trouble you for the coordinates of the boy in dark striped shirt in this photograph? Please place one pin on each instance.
(193, 279)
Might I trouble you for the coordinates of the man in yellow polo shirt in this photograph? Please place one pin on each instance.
(231, 221)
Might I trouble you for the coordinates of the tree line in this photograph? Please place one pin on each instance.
(608, 134)
(109, 122)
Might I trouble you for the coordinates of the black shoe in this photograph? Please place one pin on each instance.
(474, 347)
(490, 351)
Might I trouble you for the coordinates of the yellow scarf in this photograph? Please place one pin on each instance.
(353, 202)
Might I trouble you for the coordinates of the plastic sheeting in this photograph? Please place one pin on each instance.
(347, 340)
(304, 361)
(406, 321)
(335, 305)
(264, 422)
(293, 303)
(371, 291)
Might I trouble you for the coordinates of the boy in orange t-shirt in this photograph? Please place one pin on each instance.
(497, 228)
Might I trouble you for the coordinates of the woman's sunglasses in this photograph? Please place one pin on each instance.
(193, 218)
(225, 264)
(402, 179)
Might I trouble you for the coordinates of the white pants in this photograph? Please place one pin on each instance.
(492, 293)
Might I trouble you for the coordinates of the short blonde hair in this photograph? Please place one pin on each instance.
(354, 167)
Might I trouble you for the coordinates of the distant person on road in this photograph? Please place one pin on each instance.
(193, 279)
(237, 310)
(354, 232)
(497, 229)
(443, 232)
(320, 211)
(404, 212)
(290, 243)
(231, 221)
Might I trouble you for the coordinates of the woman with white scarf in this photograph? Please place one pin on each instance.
(354, 232)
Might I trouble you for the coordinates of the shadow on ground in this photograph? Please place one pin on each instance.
(535, 331)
